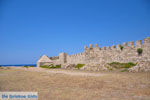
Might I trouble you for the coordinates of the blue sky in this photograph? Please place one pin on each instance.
(31, 28)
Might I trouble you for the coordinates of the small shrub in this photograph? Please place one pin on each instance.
(126, 66)
(125, 70)
(132, 64)
(115, 65)
(109, 68)
(121, 47)
(118, 65)
(26, 66)
(57, 66)
(8, 67)
(50, 66)
(45, 66)
(78, 66)
(31, 66)
(139, 51)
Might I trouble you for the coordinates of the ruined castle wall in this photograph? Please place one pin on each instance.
(57, 62)
(127, 52)
(115, 54)
(76, 58)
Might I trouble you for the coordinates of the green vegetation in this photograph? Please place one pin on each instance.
(121, 47)
(50, 66)
(109, 68)
(78, 66)
(31, 66)
(26, 66)
(57, 66)
(139, 51)
(122, 66)
(45, 66)
(124, 70)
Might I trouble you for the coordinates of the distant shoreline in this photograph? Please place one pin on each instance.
(18, 65)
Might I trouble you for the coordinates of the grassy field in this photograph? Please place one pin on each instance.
(55, 86)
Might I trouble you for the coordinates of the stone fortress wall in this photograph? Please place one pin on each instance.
(97, 55)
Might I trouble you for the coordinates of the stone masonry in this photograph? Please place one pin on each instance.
(96, 55)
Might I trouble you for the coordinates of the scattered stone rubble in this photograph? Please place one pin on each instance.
(143, 66)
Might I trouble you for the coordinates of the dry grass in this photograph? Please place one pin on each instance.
(52, 86)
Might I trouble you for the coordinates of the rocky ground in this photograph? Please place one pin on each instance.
(59, 84)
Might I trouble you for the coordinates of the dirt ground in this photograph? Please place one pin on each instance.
(56, 84)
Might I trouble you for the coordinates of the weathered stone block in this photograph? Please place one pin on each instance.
(147, 41)
(118, 47)
(131, 44)
(124, 44)
(91, 46)
(113, 47)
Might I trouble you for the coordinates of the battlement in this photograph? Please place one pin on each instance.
(108, 48)
(147, 41)
(118, 47)
(76, 55)
(138, 43)
(91, 46)
(131, 44)
(96, 45)
(124, 44)
(103, 48)
(113, 47)
(127, 52)
(54, 58)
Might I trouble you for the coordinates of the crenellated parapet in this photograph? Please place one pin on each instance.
(90, 46)
(131, 44)
(138, 44)
(127, 52)
(118, 47)
(96, 48)
(125, 45)
(113, 47)
(147, 41)
(108, 48)
(103, 48)
(85, 47)
(76, 55)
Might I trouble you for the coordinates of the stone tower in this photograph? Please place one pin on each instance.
(63, 58)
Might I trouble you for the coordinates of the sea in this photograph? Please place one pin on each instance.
(19, 65)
